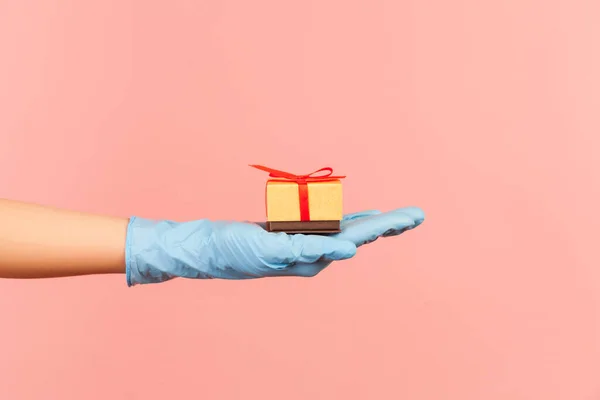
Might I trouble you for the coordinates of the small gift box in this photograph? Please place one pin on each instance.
(310, 203)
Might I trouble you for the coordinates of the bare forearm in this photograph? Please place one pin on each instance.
(43, 242)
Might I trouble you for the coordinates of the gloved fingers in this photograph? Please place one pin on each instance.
(360, 214)
(417, 214)
(367, 230)
(349, 218)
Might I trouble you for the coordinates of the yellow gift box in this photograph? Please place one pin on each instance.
(311, 197)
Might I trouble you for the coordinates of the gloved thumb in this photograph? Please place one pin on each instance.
(310, 248)
(314, 247)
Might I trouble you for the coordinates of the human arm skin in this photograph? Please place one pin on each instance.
(44, 242)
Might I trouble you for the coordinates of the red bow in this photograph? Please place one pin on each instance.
(312, 177)
(301, 180)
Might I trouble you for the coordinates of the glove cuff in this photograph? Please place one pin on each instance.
(142, 253)
(128, 261)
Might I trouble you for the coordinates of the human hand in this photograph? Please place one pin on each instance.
(158, 251)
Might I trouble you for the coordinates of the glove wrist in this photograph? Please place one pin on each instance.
(157, 251)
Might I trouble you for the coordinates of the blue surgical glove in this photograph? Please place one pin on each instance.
(157, 251)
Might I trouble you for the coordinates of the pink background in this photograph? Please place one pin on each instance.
(485, 114)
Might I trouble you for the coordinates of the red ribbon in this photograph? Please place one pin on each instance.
(302, 181)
